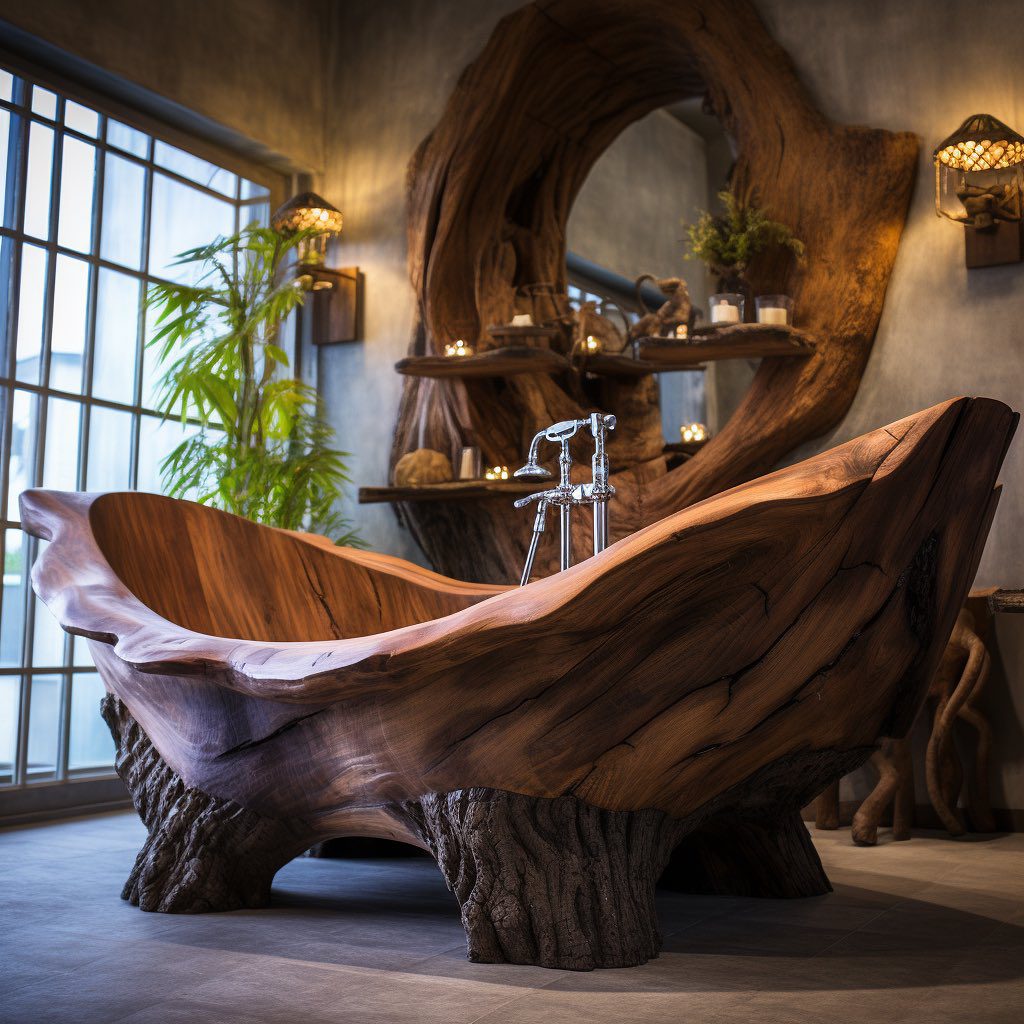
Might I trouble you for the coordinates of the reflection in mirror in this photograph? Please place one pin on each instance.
(630, 219)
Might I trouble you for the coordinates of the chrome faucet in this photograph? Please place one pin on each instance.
(565, 495)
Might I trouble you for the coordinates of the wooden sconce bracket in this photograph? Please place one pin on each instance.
(490, 192)
(337, 304)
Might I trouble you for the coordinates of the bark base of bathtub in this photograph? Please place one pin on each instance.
(202, 854)
(554, 882)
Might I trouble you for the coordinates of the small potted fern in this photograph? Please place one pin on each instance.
(727, 243)
(262, 449)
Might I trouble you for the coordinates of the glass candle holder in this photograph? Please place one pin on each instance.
(681, 332)
(690, 433)
(726, 308)
(774, 309)
(470, 463)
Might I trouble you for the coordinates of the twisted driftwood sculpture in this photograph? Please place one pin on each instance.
(690, 688)
(953, 694)
(490, 194)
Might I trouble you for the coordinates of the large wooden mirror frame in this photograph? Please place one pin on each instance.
(490, 191)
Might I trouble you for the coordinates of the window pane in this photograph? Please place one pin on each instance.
(60, 460)
(31, 307)
(157, 439)
(195, 169)
(110, 450)
(21, 468)
(47, 638)
(117, 314)
(81, 654)
(90, 743)
(44, 102)
(81, 119)
(44, 724)
(37, 185)
(183, 218)
(10, 132)
(258, 212)
(77, 184)
(6, 86)
(12, 613)
(67, 338)
(250, 190)
(10, 691)
(123, 196)
(128, 139)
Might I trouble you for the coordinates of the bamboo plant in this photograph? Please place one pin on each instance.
(262, 448)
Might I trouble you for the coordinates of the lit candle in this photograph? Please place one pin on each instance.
(592, 344)
(773, 315)
(691, 432)
(459, 348)
(497, 473)
(682, 332)
(723, 313)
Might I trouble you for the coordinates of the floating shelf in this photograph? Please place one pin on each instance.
(1007, 601)
(510, 333)
(494, 362)
(604, 365)
(738, 341)
(454, 490)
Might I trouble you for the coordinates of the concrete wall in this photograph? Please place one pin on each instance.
(256, 67)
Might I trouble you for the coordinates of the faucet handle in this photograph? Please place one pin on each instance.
(544, 496)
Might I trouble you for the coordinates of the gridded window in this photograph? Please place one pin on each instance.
(92, 210)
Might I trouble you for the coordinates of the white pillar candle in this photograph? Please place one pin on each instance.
(522, 320)
(772, 315)
(723, 313)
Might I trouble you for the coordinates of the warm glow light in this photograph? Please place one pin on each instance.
(458, 348)
(592, 344)
(310, 213)
(682, 332)
(693, 432)
(496, 473)
(981, 143)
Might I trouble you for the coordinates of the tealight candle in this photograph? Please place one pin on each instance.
(496, 473)
(692, 432)
(592, 344)
(726, 308)
(774, 309)
(682, 332)
(458, 348)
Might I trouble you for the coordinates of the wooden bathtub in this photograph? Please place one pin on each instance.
(677, 698)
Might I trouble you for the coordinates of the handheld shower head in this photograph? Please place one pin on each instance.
(532, 471)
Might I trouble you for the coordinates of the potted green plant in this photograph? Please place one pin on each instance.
(262, 448)
(727, 243)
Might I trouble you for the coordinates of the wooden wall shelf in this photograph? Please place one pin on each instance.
(739, 341)
(495, 362)
(453, 490)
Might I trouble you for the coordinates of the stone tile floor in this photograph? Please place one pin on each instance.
(931, 930)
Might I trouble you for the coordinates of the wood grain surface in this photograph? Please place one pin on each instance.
(801, 614)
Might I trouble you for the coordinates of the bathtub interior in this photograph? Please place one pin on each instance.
(221, 575)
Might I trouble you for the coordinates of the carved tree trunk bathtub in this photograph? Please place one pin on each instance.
(688, 690)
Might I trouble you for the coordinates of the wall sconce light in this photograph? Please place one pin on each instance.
(335, 293)
(979, 178)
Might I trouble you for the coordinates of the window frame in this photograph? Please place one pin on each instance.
(13, 240)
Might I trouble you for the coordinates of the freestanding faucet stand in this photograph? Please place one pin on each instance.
(565, 495)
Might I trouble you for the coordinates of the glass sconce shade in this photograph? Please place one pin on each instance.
(312, 213)
(981, 143)
(979, 172)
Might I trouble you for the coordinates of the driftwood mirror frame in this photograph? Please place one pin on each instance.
(490, 192)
